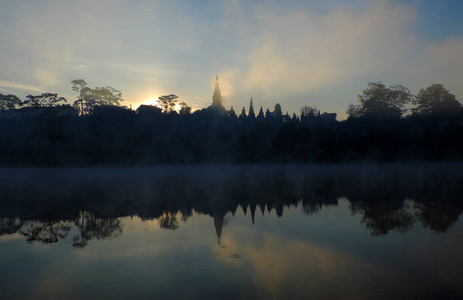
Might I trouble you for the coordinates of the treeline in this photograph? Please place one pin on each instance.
(388, 124)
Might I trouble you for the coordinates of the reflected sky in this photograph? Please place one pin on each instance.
(329, 254)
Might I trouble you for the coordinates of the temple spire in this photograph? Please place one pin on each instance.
(218, 224)
(251, 114)
(217, 96)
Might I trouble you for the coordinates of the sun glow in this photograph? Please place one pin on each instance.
(152, 101)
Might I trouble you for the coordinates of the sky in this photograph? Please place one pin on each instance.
(292, 52)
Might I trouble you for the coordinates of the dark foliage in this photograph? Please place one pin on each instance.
(114, 135)
(46, 133)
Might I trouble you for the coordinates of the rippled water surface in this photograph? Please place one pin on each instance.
(350, 232)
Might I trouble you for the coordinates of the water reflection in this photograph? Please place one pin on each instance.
(91, 227)
(232, 232)
(46, 231)
(388, 198)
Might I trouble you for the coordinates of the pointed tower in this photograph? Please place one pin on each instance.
(218, 224)
(232, 113)
(253, 207)
(251, 114)
(217, 97)
(243, 116)
(261, 116)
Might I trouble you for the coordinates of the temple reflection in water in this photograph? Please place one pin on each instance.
(391, 200)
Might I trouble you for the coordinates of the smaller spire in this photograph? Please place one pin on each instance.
(253, 207)
(261, 115)
(251, 113)
(243, 116)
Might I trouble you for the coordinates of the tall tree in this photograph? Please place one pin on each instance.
(167, 102)
(89, 98)
(380, 101)
(435, 100)
(80, 87)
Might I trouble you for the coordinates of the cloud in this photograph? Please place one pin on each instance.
(295, 54)
(301, 52)
(16, 85)
(303, 57)
(291, 268)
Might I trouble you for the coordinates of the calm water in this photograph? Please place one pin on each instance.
(336, 232)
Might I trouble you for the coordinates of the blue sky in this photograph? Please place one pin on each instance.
(292, 52)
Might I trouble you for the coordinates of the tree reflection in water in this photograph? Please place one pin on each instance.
(46, 231)
(168, 220)
(90, 227)
(388, 197)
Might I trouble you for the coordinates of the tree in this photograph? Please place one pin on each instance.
(184, 109)
(308, 111)
(45, 231)
(80, 87)
(43, 100)
(89, 227)
(354, 111)
(105, 96)
(286, 117)
(380, 101)
(294, 117)
(89, 98)
(167, 102)
(435, 100)
(168, 220)
(9, 101)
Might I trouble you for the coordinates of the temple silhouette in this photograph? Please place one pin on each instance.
(217, 96)
(175, 133)
(217, 100)
(218, 224)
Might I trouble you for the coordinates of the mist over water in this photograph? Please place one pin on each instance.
(354, 230)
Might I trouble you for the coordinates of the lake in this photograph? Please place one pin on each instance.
(354, 231)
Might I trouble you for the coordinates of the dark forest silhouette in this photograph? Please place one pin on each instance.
(387, 124)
